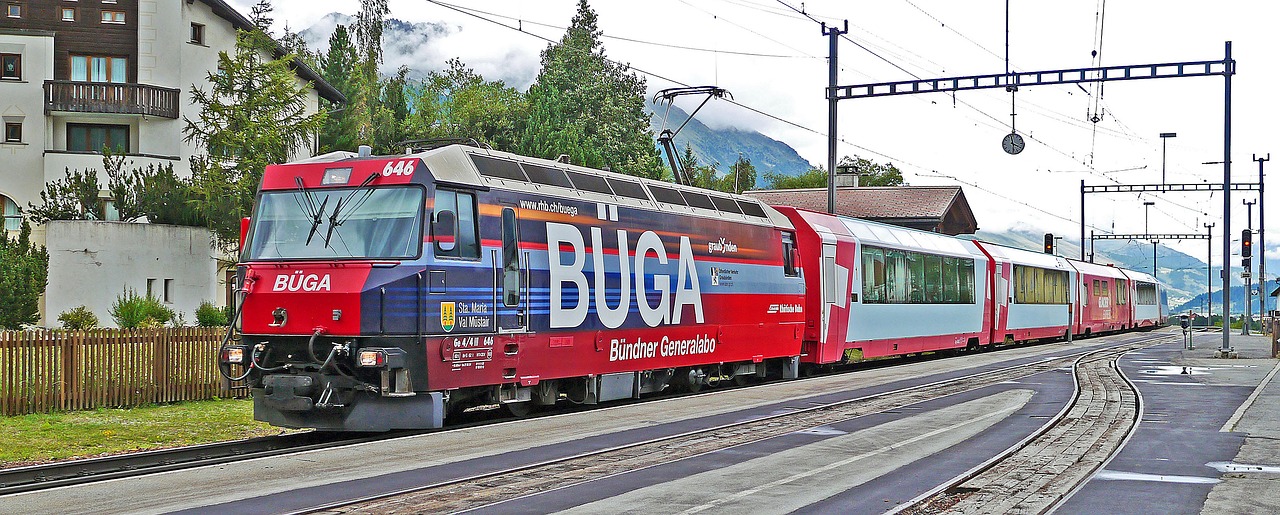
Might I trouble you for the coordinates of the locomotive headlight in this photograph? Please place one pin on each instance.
(372, 358)
(233, 354)
(381, 357)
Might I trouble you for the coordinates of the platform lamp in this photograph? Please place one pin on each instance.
(1164, 151)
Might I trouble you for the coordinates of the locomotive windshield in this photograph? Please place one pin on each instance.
(338, 223)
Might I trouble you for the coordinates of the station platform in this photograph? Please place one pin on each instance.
(1209, 436)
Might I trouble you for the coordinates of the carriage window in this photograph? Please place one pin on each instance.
(872, 275)
(543, 175)
(698, 200)
(1122, 291)
(1040, 285)
(510, 259)
(725, 205)
(628, 189)
(1146, 294)
(788, 256)
(667, 195)
(464, 206)
(915, 271)
(500, 168)
(751, 209)
(590, 182)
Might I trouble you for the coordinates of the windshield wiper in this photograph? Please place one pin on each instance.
(315, 221)
(334, 222)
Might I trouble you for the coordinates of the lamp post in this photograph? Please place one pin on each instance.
(1164, 151)
(1147, 231)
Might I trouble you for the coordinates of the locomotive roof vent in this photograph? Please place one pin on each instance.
(365, 151)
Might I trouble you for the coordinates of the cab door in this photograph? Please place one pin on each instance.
(511, 277)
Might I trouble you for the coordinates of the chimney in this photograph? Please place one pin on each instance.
(846, 177)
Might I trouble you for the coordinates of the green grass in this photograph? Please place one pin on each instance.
(31, 439)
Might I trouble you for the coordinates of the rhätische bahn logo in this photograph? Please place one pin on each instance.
(448, 315)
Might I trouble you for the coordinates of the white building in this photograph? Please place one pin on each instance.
(77, 75)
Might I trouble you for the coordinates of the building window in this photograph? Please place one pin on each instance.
(168, 290)
(197, 33)
(15, 10)
(11, 66)
(9, 212)
(112, 16)
(83, 137)
(151, 287)
(99, 68)
(13, 132)
(68, 14)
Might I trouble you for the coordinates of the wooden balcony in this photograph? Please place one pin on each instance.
(110, 98)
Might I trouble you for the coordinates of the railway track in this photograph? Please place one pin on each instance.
(488, 489)
(1042, 471)
(40, 477)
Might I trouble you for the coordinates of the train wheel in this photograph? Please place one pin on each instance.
(519, 409)
(689, 379)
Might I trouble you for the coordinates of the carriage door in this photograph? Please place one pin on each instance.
(830, 293)
(511, 277)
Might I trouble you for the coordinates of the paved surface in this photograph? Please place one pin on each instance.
(1203, 417)
(1180, 459)
(283, 483)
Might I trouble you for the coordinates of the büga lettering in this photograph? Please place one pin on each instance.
(687, 289)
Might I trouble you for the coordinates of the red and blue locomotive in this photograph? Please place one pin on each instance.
(389, 292)
(386, 292)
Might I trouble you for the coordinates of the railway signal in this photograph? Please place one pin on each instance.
(1246, 243)
(1048, 243)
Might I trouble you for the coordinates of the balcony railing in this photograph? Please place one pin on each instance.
(110, 98)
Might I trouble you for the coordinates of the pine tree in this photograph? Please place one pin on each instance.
(24, 274)
(339, 132)
(254, 114)
(741, 176)
(588, 107)
(260, 16)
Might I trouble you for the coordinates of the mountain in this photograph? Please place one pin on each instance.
(721, 147)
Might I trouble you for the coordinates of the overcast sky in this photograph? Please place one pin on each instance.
(773, 60)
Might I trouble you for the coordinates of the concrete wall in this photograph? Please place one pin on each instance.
(92, 263)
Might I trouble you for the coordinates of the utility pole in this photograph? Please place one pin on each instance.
(1226, 351)
(1164, 152)
(1147, 231)
(1247, 264)
(833, 34)
(1262, 243)
(1209, 275)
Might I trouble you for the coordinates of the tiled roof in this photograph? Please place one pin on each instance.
(888, 202)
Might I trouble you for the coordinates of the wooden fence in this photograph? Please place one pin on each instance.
(46, 371)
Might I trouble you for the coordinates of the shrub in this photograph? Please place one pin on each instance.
(78, 318)
(209, 315)
(131, 310)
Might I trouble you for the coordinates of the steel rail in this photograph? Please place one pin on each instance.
(77, 472)
(921, 503)
(741, 433)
